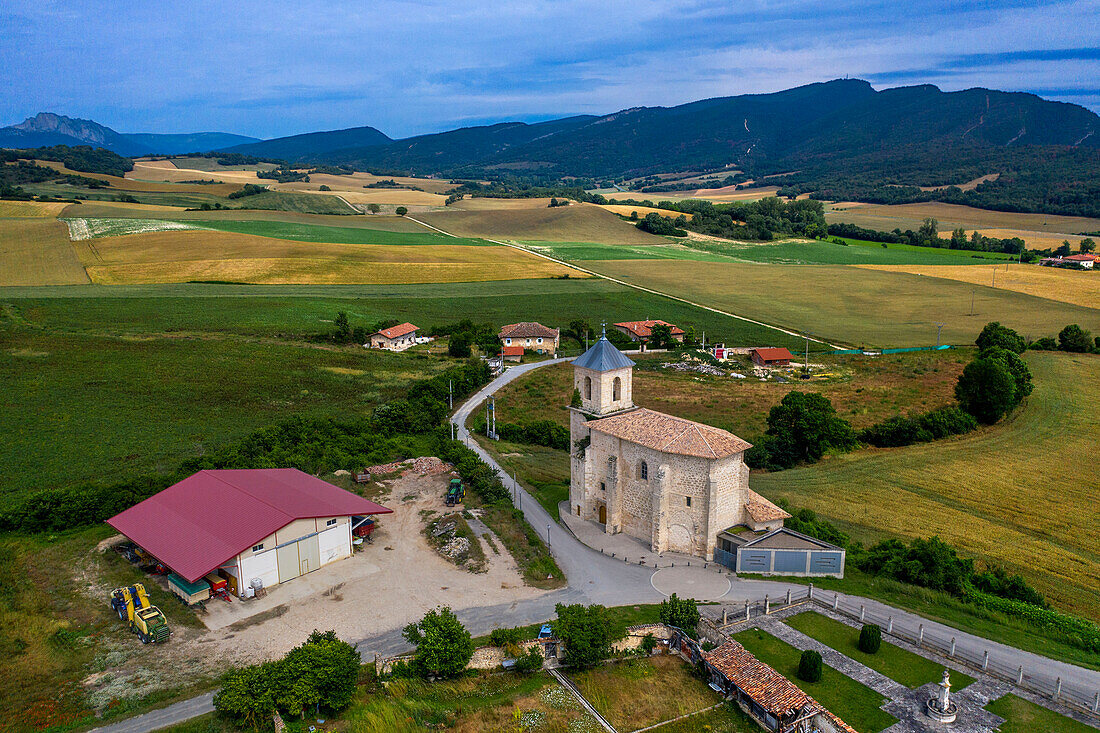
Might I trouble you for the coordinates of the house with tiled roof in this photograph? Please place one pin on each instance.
(531, 336)
(640, 331)
(395, 338)
(673, 483)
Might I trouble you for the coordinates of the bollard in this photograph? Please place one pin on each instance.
(788, 596)
(746, 610)
(836, 601)
(862, 613)
(890, 625)
(810, 594)
(767, 605)
(725, 616)
(920, 635)
(1020, 676)
(952, 652)
(1057, 688)
(985, 661)
(1096, 703)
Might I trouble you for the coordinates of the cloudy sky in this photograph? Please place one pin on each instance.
(412, 66)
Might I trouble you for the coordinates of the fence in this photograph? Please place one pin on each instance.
(987, 661)
(904, 350)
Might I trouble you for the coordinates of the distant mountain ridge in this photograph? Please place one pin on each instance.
(312, 143)
(47, 128)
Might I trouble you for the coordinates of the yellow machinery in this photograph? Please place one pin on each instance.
(132, 605)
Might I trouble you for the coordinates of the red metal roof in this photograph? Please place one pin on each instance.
(644, 329)
(398, 331)
(513, 351)
(772, 354)
(198, 524)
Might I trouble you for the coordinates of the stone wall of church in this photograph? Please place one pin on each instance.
(730, 476)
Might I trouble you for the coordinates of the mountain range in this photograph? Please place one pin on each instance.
(47, 128)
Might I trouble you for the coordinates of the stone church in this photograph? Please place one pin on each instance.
(672, 483)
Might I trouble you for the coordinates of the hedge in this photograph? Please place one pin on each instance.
(899, 431)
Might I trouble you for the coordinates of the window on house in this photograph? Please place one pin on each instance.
(538, 341)
(688, 500)
(330, 523)
(643, 471)
(588, 388)
(258, 547)
(507, 342)
(617, 389)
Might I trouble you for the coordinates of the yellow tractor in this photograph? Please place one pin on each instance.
(132, 605)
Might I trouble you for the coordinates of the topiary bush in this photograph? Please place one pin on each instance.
(809, 666)
(870, 638)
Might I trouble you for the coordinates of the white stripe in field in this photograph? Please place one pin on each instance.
(80, 229)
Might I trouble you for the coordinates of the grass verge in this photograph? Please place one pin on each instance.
(1022, 716)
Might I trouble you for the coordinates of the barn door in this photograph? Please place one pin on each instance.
(309, 554)
(288, 562)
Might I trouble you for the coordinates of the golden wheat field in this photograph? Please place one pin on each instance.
(1021, 494)
(626, 210)
(155, 170)
(887, 217)
(1033, 240)
(127, 184)
(561, 224)
(361, 195)
(166, 257)
(18, 209)
(1078, 287)
(38, 252)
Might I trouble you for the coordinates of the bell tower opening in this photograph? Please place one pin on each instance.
(603, 377)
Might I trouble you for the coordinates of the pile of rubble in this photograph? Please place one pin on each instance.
(423, 466)
(701, 368)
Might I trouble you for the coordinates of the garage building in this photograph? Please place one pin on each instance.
(245, 524)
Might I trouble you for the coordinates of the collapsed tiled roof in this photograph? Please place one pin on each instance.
(670, 434)
(643, 329)
(528, 329)
(762, 510)
(769, 689)
(398, 331)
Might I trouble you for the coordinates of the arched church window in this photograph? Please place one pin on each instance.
(643, 471)
(616, 389)
(588, 388)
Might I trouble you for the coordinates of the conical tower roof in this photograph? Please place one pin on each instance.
(603, 357)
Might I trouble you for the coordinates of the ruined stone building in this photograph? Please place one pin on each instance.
(673, 483)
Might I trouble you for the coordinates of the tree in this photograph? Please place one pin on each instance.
(870, 639)
(809, 666)
(1074, 338)
(443, 645)
(341, 328)
(587, 633)
(246, 695)
(1017, 367)
(660, 336)
(459, 345)
(1087, 245)
(929, 229)
(986, 390)
(958, 239)
(400, 211)
(994, 334)
(802, 427)
(575, 401)
(373, 208)
(1064, 249)
(681, 613)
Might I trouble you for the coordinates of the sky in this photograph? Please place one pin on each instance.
(408, 67)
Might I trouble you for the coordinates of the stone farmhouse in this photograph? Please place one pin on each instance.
(530, 336)
(640, 331)
(673, 483)
(397, 338)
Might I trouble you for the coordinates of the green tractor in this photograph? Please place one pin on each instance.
(146, 620)
(456, 492)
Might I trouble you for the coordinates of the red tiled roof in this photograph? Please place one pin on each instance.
(773, 354)
(762, 510)
(643, 329)
(771, 690)
(670, 434)
(1081, 258)
(196, 525)
(398, 331)
(513, 351)
(528, 329)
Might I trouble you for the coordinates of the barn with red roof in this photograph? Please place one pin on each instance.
(271, 525)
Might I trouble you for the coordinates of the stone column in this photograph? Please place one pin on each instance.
(711, 529)
(658, 503)
(614, 483)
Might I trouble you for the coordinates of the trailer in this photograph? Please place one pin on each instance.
(189, 593)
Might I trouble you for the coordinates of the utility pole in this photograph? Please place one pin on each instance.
(971, 302)
(451, 394)
(806, 368)
(994, 276)
(547, 536)
(939, 328)
(494, 403)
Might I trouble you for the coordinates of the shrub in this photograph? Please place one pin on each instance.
(531, 661)
(400, 211)
(505, 637)
(681, 613)
(443, 645)
(587, 632)
(986, 389)
(899, 431)
(996, 335)
(1074, 338)
(1046, 343)
(540, 432)
(870, 639)
(809, 666)
(649, 643)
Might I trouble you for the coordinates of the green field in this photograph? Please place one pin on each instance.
(852, 305)
(904, 667)
(338, 235)
(305, 203)
(854, 703)
(1021, 494)
(1022, 716)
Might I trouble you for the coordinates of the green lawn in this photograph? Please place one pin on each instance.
(339, 235)
(855, 704)
(544, 471)
(1022, 716)
(907, 668)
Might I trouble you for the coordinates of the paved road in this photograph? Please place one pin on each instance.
(597, 578)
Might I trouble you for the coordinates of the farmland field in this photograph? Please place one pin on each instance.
(887, 217)
(835, 302)
(576, 223)
(127, 184)
(19, 209)
(165, 257)
(37, 252)
(1077, 287)
(627, 210)
(1020, 494)
(337, 234)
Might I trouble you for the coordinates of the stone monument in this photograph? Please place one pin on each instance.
(939, 706)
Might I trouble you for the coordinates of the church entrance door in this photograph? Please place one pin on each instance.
(603, 513)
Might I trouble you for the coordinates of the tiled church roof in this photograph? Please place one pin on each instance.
(670, 434)
(762, 510)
